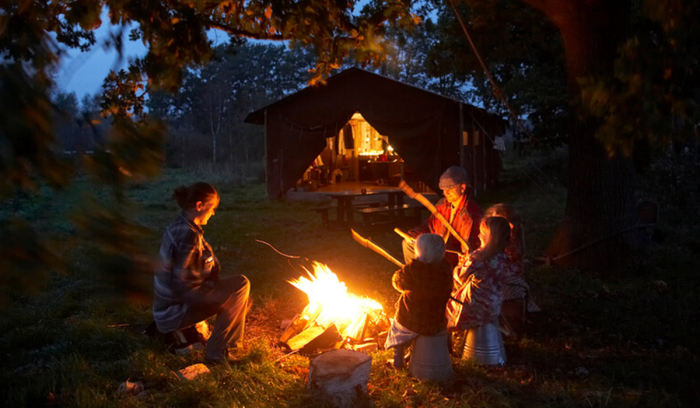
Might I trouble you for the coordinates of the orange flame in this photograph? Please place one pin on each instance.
(329, 298)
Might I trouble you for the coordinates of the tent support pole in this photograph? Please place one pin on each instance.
(266, 156)
(474, 139)
(483, 149)
(462, 159)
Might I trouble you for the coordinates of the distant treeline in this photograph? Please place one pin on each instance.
(205, 116)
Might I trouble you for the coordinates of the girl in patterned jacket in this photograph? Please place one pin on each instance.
(515, 288)
(478, 293)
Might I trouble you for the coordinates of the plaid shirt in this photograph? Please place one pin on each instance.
(466, 222)
(186, 262)
(425, 289)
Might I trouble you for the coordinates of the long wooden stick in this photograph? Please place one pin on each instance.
(413, 240)
(404, 235)
(366, 242)
(421, 199)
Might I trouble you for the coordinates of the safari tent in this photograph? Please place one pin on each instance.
(360, 125)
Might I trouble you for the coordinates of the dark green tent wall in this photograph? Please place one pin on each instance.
(424, 128)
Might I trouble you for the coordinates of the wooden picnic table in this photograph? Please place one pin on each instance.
(345, 199)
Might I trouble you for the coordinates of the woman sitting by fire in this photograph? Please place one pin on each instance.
(479, 279)
(187, 287)
(425, 285)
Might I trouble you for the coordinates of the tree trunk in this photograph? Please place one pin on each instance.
(215, 118)
(230, 138)
(595, 232)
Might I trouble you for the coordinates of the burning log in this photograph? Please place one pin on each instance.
(333, 318)
(315, 338)
(306, 336)
(300, 323)
(294, 327)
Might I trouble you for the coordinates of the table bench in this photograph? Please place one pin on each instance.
(345, 200)
(325, 219)
(369, 213)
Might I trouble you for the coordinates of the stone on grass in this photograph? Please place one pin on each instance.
(130, 388)
(192, 372)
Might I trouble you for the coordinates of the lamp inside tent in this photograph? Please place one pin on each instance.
(357, 153)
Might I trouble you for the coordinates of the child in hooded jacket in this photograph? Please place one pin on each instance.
(425, 285)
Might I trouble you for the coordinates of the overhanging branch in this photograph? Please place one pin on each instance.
(247, 34)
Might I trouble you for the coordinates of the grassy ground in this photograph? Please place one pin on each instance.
(599, 341)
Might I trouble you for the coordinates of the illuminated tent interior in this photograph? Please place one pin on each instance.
(357, 153)
(360, 126)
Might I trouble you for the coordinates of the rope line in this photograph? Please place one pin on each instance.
(549, 261)
(497, 92)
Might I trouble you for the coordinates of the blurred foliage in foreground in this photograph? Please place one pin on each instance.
(34, 36)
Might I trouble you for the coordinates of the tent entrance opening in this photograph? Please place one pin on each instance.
(358, 153)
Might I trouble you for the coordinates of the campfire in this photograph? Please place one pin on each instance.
(334, 318)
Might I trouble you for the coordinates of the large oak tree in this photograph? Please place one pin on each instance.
(631, 72)
(600, 201)
(630, 78)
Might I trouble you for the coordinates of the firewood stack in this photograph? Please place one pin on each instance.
(309, 335)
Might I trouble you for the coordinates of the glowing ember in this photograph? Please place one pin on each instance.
(329, 299)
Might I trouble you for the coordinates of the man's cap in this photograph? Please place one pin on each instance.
(453, 177)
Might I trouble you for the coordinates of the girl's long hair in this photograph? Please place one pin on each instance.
(498, 239)
(517, 238)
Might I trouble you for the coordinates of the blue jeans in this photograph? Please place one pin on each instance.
(227, 299)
